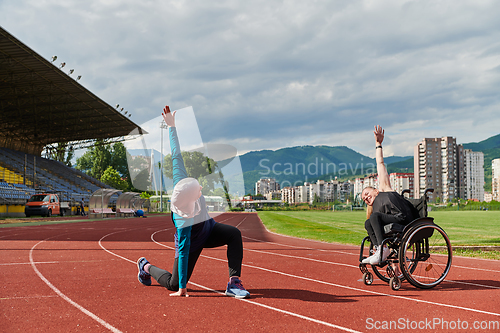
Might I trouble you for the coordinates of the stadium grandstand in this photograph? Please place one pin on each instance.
(40, 106)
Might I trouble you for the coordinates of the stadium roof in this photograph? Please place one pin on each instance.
(40, 104)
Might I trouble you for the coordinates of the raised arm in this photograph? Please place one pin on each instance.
(179, 170)
(383, 176)
(179, 173)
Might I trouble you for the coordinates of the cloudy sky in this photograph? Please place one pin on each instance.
(272, 74)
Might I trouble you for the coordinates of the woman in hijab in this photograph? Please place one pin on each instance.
(195, 230)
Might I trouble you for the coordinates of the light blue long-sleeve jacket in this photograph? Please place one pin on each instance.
(191, 232)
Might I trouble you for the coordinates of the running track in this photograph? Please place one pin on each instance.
(82, 277)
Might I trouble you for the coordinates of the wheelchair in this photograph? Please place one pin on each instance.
(421, 252)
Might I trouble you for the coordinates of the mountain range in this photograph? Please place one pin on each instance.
(294, 165)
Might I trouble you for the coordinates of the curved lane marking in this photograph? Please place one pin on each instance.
(346, 287)
(66, 298)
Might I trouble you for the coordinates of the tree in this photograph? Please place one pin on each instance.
(141, 180)
(119, 159)
(63, 153)
(219, 192)
(112, 178)
(97, 159)
(316, 199)
(101, 159)
(84, 162)
(138, 172)
(197, 166)
(225, 186)
(203, 168)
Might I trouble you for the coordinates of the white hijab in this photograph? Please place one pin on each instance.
(185, 198)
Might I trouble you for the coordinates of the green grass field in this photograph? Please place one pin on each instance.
(464, 228)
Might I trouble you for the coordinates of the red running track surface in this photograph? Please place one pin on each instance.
(82, 277)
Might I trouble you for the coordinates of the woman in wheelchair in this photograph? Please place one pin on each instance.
(385, 206)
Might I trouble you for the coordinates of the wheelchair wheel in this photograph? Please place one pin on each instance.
(395, 283)
(368, 278)
(381, 272)
(425, 256)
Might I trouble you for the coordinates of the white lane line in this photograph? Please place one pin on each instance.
(49, 262)
(28, 263)
(300, 247)
(112, 253)
(116, 255)
(353, 266)
(245, 300)
(303, 258)
(11, 235)
(345, 287)
(475, 269)
(313, 280)
(474, 284)
(357, 254)
(282, 311)
(27, 297)
(229, 218)
(66, 298)
(241, 221)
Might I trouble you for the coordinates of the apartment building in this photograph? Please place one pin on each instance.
(358, 186)
(402, 181)
(326, 191)
(399, 182)
(472, 185)
(371, 180)
(495, 180)
(452, 171)
(266, 185)
(288, 195)
(437, 166)
(345, 189)
(274, 195)
(303, 193)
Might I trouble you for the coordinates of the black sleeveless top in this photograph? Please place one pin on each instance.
(393, 203)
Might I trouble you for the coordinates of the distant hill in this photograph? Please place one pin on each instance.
(294, 165)
(491, 143)
(405, 165)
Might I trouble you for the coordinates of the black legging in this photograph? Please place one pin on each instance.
(375, 226)
(222, 234)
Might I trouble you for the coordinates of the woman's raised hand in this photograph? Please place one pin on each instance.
(379, 134)
(168, 116)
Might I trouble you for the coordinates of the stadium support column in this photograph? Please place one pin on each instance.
(25, 164)
(34, 172)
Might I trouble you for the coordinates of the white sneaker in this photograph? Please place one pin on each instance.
(375, 258)
(366, 260)
(369, 259)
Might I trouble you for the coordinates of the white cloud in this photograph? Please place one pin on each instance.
(272, 74)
